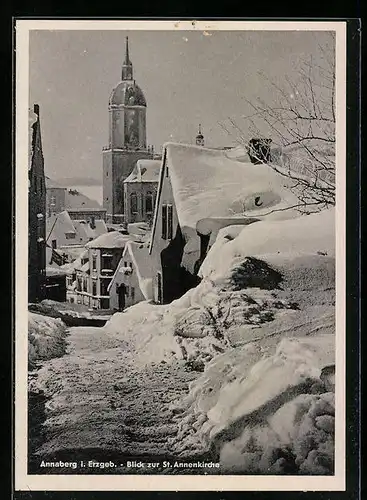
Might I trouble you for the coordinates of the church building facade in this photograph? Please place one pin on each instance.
(127, 139)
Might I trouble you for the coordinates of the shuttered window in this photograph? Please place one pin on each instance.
(164, 222)
(169, 222)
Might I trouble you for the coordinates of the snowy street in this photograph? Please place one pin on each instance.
(102, 399)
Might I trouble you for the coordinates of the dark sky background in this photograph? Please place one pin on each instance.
(187, 77)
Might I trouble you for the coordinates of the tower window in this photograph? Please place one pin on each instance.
(149, 202)
(134, 203)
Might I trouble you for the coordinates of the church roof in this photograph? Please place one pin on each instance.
(145, 171)
(127, 93)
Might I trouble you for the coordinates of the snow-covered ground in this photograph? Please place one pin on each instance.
(256, 337)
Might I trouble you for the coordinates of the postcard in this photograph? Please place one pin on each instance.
(180, 255)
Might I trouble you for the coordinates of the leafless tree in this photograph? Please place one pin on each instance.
(301, 124)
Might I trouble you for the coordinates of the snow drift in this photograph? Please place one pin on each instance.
(46, 338)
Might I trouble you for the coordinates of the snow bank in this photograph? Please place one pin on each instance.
(263, 410)
(45, 337)
(305, 235)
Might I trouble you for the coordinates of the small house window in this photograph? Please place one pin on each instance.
(94, 263)
(132, 293)
(149, 202)
(164, 222)
(169, 222)
(94, 288)
(52, 201)
(134, 203)
(54, 244)
(127, 291)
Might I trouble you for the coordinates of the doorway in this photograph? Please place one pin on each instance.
(121, 291)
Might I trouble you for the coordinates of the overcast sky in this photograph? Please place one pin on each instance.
(187, 78)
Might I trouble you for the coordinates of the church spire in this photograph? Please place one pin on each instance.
(127, 67)
(199, 137)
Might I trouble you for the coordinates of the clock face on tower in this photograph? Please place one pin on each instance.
(131, 128)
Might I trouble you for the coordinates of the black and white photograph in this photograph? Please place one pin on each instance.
(180, 202)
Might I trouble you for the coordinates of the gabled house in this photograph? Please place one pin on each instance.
(132, 281)
(201, 190)
(94, 277)
(63, 231)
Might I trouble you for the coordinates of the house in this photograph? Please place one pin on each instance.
(79, 206)
(140, 191)
(63, 231)
(213, 186)
(36, 212)
(132, 281)
(95, 274)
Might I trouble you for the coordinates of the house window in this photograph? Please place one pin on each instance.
(54, 244)
(167, 222)
(106, 261)
(134, 203)
(127, 290)
(164, 222)
(149, 202)
(85, 284)
(125, 263)
(70, 236)
(79, 284)
(52, 201)
(94, 263)
(132, 293)
(94, 288)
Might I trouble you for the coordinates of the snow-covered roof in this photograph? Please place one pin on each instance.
(85, 231)
(64, 223)
(214, 183)
(139, 254)
(75, 200)
(81, 228)
(145, 171)
(114, 239)
(54, 271)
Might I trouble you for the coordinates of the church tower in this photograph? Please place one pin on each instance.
(199, 138)
(127, 139)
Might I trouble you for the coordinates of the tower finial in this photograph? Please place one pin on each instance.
(127, 67)
(127, 59)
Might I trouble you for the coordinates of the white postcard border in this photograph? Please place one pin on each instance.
(26, 482)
